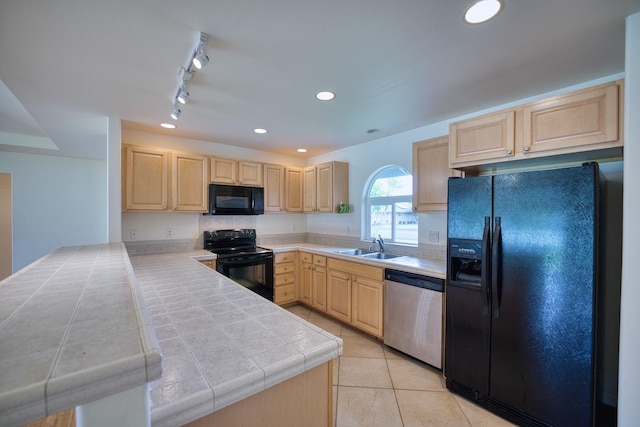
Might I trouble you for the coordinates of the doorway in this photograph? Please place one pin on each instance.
(6, 239)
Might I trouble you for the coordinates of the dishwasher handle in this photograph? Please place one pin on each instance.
(413, 279)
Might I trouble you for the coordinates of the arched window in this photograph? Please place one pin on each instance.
(388, 206)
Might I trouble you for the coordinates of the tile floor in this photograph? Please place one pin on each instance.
(375, 385)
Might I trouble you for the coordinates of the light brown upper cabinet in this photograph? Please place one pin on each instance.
(325, 186)
(490, 137)
(163, 180)
(293, 189)
(223, 171)
(586, 124)
(332, 186)
(235, 172)
(250, 173)
(190, 182)
(430, 174)
(309, 185)
(579, 119)
(145, 183)
(274, 188)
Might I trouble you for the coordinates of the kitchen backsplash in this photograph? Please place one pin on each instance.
(424, 250)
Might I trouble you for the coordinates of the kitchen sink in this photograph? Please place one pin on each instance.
(358, 252)
(380, 255)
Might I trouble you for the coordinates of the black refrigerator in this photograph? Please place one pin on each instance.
(521, 293)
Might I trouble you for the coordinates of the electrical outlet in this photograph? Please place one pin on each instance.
(434, 236)
(132, 234)
(348, 229)
(293, 227)
(169, 232)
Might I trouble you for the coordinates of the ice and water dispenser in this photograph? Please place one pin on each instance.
(465, 261)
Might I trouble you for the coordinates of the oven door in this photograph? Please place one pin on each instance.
(254, 272)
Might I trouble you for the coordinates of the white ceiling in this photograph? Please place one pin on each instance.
(67, 65)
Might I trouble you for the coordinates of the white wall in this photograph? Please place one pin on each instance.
(629, 373)
(57, 201)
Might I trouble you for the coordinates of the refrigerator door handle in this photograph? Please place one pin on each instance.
(495, 268)
(484, 269)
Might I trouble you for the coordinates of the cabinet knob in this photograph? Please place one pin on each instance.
(526, 148)
(509, 152)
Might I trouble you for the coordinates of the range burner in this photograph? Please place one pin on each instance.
(233, 242)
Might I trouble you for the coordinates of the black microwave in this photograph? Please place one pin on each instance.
(235, 200)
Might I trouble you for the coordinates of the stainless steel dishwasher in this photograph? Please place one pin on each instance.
(413, 315)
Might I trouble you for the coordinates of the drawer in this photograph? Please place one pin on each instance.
(286, 293)
(306, 257)
(288, 267)
(320, 260)
(285, 257)
(284, 279)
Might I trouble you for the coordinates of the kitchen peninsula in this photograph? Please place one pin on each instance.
(85, 324)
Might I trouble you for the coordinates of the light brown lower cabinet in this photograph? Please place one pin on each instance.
(313, 281)
(339, 287)
(284, 281)
(355, 294)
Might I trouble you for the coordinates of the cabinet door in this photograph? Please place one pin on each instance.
(367, 305)
(146, 179)
(339, 295)
(305, 283)
(224, 171)
(293, 189)
(309, 189)
(324, 188)
(190, 183)
(579, 119)
(273, 188)
(319, 290)
(489, 137)
(250, 173)
(430, 174)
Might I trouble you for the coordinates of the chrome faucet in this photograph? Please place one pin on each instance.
(380, 241)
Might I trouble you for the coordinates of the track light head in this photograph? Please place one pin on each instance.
(175, 113)
(183, 95)
(200, 59)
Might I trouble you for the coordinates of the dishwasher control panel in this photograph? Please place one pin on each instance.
(414, 279)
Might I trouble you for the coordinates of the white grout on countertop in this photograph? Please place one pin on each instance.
(220, 342)
(72, 330)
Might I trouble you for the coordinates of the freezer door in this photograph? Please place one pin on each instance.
(467, 330)
(542, 345)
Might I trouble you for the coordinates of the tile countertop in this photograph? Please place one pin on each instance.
(220, 342)
(72, 330)
(429, 267)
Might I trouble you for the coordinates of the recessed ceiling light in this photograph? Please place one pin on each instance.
(325, 96)
(260, 130)
(302, 150)
(482, 11)
(168, 125)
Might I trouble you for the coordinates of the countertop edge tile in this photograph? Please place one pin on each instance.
(184, 411)
(232, 391)
(92, 384)
(27, 403)
(150, 346)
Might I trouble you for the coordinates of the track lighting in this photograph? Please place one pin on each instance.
(175, 113)
(197, 60)
(183, 95)
(200, 59)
